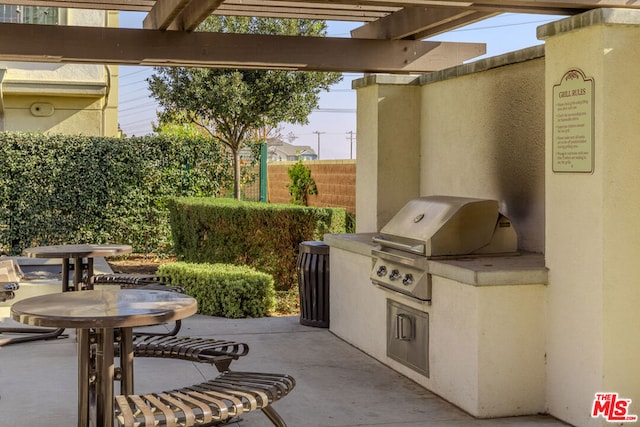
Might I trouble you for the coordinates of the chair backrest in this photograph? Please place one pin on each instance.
(10, 271)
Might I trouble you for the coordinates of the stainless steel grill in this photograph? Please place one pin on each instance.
(437, 227)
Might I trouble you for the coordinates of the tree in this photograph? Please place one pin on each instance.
(232, 106)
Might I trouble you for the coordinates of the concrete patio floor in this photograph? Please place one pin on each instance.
(337, 385)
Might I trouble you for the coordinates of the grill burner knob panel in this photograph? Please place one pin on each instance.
(382, 271)
(408, 279)
(397, 275)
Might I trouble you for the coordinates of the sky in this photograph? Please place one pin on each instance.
(332, 126)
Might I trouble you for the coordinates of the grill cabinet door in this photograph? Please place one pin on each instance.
(408, 336)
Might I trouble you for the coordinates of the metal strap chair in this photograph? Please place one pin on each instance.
(7, 292)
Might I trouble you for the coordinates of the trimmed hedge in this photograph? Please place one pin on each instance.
(263, 236)
(224, 290)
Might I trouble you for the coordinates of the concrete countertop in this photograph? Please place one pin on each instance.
(522, 269)
(360, 243)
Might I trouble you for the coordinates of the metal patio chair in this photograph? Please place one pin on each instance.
(7, 292)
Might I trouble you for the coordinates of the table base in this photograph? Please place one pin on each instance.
(97, 373)
(82, 272)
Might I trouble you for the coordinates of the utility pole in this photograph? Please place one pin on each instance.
(350, 138)
(318, 133)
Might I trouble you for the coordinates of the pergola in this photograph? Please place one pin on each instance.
(389, 41)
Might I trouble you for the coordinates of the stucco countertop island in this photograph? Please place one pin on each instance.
(523, 268)
(485, 330)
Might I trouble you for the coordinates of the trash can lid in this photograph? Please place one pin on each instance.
(314, 247)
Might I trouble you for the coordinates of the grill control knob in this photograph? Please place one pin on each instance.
(382, 271)
(408, 279)
(395, 275)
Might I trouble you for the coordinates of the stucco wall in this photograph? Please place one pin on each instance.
(62, 98)
(70, 115)
(476, 131)
(482, 135)
(388, 149)
(593, 227)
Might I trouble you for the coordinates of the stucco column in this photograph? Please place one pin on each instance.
(592, 211)
(388, 149)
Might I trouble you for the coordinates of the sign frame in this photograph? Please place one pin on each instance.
(573, 124)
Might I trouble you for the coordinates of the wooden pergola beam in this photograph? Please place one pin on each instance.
(418, 22)
(50, 43)
(163, 13)
(195, 12)
(421, 18)
(443, 15)
(179, 15)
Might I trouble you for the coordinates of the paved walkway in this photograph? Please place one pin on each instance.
(337, 385)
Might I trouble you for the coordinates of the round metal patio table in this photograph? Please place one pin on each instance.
(101, 317)
(78, 253)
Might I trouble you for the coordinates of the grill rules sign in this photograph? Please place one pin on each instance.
(573, 124)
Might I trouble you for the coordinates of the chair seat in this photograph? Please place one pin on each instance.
(203, 350)
(219, 400)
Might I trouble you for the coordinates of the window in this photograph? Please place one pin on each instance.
(29, 14)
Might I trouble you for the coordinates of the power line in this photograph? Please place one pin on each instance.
(143, 70)
(133, 83)
(334, 110)
(312, 133)
(491, 27)
(145, 125)
(138, 120)
(134, 98)
(136, 107)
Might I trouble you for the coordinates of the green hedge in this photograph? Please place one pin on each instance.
(263, 236)
(75, 189)
(224, 290)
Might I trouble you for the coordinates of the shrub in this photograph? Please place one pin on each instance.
(263, 236)
(224, 290)
(73, 189)
(301, 183)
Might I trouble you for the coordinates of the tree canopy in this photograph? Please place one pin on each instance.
(235, 106)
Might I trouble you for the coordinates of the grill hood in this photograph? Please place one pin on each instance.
(440, 226)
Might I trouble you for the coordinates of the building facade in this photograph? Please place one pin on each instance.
(58, 98)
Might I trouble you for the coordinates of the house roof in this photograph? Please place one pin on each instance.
(388, 41)
(291, 150)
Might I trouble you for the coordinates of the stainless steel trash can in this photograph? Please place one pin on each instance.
(313, 283)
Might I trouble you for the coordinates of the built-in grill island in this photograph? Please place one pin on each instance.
(442, 294)
(433, 227)
(437, 227)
